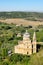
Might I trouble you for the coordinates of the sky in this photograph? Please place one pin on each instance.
(21, 5)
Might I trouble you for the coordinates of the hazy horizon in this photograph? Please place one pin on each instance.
(21, 5)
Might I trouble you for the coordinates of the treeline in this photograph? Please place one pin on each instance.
(27, 15)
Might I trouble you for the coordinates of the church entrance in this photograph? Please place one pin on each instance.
(27, 52)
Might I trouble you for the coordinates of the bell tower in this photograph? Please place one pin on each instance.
(34, 43)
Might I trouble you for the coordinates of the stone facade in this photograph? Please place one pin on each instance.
(26, 46)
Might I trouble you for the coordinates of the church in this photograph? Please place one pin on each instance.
(26, 46)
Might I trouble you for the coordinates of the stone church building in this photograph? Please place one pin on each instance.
(26, 46)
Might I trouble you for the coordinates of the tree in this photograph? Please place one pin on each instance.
(4, 52)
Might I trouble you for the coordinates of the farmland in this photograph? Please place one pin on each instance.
(20, 21)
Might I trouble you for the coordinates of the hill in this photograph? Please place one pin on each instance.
(34, 16)
(8, 39)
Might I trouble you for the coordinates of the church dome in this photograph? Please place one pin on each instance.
(26, 35)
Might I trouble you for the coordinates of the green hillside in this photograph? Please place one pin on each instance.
(26, 15)
(8, 39)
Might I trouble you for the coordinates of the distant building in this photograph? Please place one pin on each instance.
(9, 52)
(18, 25)
(26, 46)
(19, 35)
